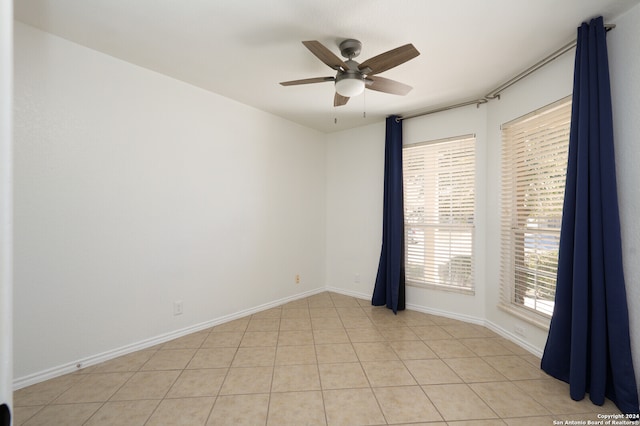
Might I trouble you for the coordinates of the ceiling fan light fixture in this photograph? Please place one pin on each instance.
(351, 77)
(349, 84)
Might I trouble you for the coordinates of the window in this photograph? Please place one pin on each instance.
(439, 207)
(534, 166)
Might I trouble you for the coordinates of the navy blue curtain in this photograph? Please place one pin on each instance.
(389, 287)
(5, 415)
(588, 344)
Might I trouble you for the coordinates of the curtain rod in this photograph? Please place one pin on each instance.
(495, 93)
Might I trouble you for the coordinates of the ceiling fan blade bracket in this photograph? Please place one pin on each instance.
(325, 55)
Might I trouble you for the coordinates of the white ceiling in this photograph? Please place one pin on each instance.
(242, 49)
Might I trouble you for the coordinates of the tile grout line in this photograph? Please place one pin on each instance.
(226, 374)
(169, 388)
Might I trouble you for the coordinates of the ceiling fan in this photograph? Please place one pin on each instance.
(352, 78)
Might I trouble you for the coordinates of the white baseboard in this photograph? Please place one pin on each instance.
(446, 314)
(76, 365)
(514, 338)
(355, 294)
(483, 322)
(457, 316)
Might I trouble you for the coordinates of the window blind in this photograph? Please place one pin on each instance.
(534, 165)
(439, 208)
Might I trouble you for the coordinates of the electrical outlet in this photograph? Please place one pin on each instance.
(356, 278)
(520, 330)
(297, 278)
(177, 307)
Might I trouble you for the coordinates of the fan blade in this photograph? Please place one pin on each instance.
(307, 81)
(386, 85)
(388, 60)
(325, 55)
(339, 100)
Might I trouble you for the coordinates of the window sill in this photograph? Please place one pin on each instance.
(530, 317)
(450, 289)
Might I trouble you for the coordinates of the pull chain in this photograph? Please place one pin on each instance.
(364, 104)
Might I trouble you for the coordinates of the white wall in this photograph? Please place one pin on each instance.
(346, 150)
(624, 68)
(134, 190)
(6, 208)
(355, 170)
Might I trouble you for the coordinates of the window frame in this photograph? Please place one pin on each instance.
(463, 270)
(540, 227)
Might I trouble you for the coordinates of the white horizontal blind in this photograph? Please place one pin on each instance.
(439, 207)
(534, 166)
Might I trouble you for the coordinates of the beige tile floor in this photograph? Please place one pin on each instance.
(328, 359)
